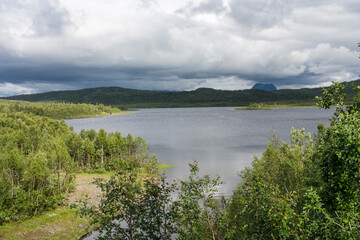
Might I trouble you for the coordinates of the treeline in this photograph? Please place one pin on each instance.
(39, 156)
(57, 110)
(109, 151)
(202, 97)
(305, 189)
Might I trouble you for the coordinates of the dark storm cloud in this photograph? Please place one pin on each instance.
(304, 79)
(59, 73)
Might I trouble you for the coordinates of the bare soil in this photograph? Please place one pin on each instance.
(86, 189)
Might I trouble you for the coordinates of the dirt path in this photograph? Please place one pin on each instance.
(61, 223)
(86, 189)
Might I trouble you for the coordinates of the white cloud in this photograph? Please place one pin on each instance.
(258, 13)
(9, 89)
(180, 44)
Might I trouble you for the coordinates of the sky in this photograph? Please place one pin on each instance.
(48, 45)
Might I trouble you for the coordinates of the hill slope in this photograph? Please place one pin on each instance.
(125, 98)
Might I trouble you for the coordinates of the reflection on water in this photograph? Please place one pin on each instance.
(222, 140)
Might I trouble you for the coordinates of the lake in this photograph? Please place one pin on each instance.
(222, 140)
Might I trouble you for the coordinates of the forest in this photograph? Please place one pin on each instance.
(39, 156)
(58, 110)
(201, 97)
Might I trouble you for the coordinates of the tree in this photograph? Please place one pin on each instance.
(268, 202)
(197, 209)
(101, 145)
(88, 151)
(305, 190)
(35, 167)
(132, 208)
(143, 208)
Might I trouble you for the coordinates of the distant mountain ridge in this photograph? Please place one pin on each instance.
(201, 97)
(264, 86)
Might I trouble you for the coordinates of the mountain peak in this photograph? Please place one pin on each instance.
(264, 86)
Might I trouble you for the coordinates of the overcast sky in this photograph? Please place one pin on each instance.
(48, 45)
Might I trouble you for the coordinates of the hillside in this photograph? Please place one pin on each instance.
(131, 98)
(57, 110)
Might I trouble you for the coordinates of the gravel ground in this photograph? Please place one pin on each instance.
(86, 189)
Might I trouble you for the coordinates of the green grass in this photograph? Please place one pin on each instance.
(255, 106)
(103, 114)
(166, 166)
(262, 106)
(59, 110)
(61, 223)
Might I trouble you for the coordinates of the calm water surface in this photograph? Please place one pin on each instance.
(222, 140)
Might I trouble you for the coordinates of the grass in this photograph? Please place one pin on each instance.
(263, 106)
(59, 110)
(166, 166)
(103, 114)
(255, 106)
(61, 223)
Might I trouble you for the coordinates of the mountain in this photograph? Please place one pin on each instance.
(201, 97)
(264, 86)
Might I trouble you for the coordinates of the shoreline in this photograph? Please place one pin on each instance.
(97, 115)
(270, 107)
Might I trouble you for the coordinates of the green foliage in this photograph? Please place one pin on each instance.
(306, 189)
(257, 106)
(143, 208)
(339, 160)
(57, 110)
(197, 209)
(338, 153)
(133, 209)
(284, 164)
(38, 157)
(320, 224)
(334, 95)
(59, 224)
(36, 169)
(110, 151)
(269, 201)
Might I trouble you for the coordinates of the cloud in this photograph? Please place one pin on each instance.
(258, 13)
(177, 45)
(9, 89)
(208, 6)
(35, 18)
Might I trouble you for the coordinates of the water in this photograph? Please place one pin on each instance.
(222, 140)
